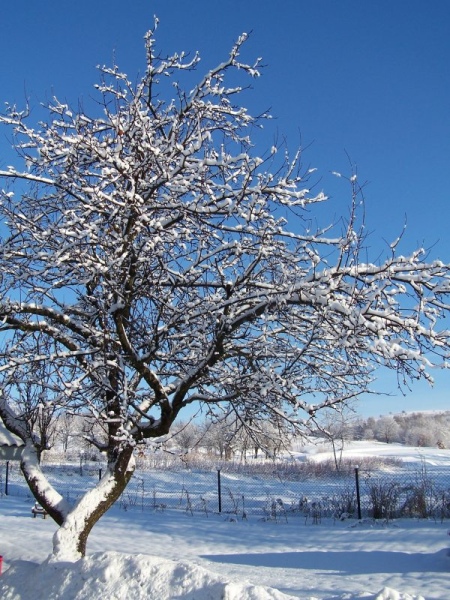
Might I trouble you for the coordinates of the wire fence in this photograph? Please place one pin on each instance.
(275, 492)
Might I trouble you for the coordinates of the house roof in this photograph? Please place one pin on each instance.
(7, 438)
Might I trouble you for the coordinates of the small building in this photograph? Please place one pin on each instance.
(10, 445)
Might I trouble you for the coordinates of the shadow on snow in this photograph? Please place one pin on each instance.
(344, 563)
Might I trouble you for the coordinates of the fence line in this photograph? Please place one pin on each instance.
(423, 492)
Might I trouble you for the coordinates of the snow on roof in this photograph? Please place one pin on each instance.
(7, 438)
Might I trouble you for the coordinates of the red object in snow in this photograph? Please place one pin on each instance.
(1, 564)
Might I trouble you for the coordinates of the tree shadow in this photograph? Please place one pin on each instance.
(344, 563)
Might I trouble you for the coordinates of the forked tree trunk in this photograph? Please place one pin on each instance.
(69, 541)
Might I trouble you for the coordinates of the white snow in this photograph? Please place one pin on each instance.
(7, 438)
(137, 555)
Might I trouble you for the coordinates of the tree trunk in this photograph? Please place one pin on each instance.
(39, 485)
(69, 541)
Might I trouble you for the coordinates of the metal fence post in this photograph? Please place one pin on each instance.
(7, 477)
(358, 497)
(219, 490)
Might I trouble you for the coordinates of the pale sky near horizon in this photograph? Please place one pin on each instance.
(365, 80)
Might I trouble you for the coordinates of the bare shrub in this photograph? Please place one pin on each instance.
(423, 499)
(443, 504)
(384, 497)
(274, 508)
(343, 503)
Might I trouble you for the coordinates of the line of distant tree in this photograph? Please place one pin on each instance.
(417, 429)
(227, 439)
(412, 429)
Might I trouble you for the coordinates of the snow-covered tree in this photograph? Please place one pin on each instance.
(34, 402)
(231, 435)
(336, 426)
(69, 429)
(187, 436)
(387, 429)
(219, 437)
(151, 258)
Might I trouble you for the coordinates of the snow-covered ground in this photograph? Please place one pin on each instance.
(170, 555)
(358, 449)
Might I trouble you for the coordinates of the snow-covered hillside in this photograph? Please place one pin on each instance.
(356, 449)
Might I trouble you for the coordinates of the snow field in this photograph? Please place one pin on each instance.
(174, 554)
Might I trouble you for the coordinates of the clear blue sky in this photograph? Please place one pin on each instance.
(371, 79)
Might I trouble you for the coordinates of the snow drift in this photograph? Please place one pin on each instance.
(122, 577)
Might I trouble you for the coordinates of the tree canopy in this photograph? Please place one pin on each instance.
(151, 259)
